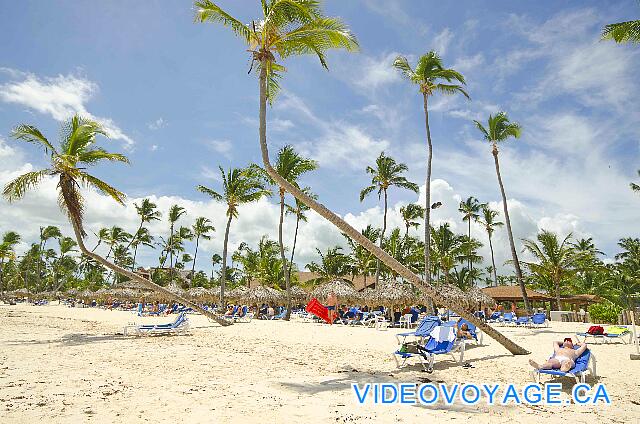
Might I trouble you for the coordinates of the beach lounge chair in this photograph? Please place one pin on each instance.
(614, 332)
(495, 317)
(579, 371)
(281, 315)
(423, 330)
(442, 341)
(522, 321)
(475, 332)
(508, 318)
(539, 320)
(243, 315)
(178, 326)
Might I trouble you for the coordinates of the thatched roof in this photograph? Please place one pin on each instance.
(343, 290)
(513, 293)
(394, 293)
(23, 292)
(299, 293)
(366, 296)
(236, 293)
(130, 284)
(581, 299)
(261, 294)
(453, 294)
(476, 295)
(175, 289)
(358, 281)
(86, 293)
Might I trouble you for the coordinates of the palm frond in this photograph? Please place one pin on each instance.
(622, 32)
(402, 64)
(213, 194)
(103, 187)
(95, 155)
(451, 89)
(17, 188)
(31, 134)
(207, 11)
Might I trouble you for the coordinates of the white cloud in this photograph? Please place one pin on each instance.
(442, 40)
(61, 97)
(224, 147)
(157, 124)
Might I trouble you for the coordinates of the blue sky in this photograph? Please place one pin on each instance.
(177, 99)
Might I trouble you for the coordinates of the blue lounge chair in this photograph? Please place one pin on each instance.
(442, 341)
(539, 320)
(475, 332)
(495, 317)
(508, 318)
(179, 325)
(423, 329)
(281, 315)
(622, 333)
(244, 315)
(522, 321)
(579, 370)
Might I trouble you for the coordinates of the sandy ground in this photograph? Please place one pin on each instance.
(60, 364)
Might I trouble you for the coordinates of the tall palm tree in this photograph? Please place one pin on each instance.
(488, 221)
(622, 32)
(76, 152)
(201, 229)
(333, 265)
(431, 77)
(65, 245)
(386, 174)
(239, 186)
(470, 210)
(410, 214)
(142, 237)
(362, 261)
(215, 260)
(554, 260)
(296, 27)
(46, 233)
(499, 130)
(175, 213)
(299, 210)
(147, 212)
(7, 253)
(290, 166)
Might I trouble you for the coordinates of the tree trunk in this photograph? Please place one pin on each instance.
(223, 271)
(493, 262)
(514, 255)
(287, 280)
(469, 260)
(1, 277)
(135, 253)
(144, 282)
(384, 229)
(295, 240)
(193, 267)
(40, 257)
(557, 287)
(361, 239)
(427, 205)
(171, 255)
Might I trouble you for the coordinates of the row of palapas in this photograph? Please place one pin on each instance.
(387, 293)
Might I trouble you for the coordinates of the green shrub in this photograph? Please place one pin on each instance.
(604, 312)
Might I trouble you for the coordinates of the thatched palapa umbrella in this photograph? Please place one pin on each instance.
(299, 294)
(342, 289)
(477, 296)
(394, 293)
(455, 295)
(261, 294)
(236, 293)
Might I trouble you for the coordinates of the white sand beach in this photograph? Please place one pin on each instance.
(60, 364)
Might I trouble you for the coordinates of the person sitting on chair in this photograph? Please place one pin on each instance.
(464, 333)
(564, 356)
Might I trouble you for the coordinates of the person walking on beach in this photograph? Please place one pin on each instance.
(332, 301)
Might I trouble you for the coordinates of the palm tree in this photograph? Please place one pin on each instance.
(362, 261)
(201, 229)
(635, 187)
(554, 260)
(622, 32)
(333, 265)
(76, 152)
(7, 253)
(299, 210)
(297, 27)
(488, 221)
(500, 130)
(386, 174)
(430, 76)
(470, 210)
(66, 245)
(290, 166)
(410, 214)
(215, 260)
(175, 213)
(141, 237)
(147, 212)
(46, 233)
(239, 186)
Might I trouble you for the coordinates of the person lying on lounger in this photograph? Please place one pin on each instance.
(464, 333)
(564, 357)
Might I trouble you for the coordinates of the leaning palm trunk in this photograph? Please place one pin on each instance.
(144, 282)
(384, 229)
(287, 280)
(193, 266)
(293, 248)
(514, 255)
(427, 206)
(393, 264)
(223, 271)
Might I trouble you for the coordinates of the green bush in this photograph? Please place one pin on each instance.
(604, 312)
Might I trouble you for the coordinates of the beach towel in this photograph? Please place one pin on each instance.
(318, 309)
(616, 330)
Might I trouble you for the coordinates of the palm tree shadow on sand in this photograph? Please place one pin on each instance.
(74, 339)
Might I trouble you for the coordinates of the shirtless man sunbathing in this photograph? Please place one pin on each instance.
(564, 357)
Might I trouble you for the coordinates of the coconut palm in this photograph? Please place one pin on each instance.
(147, 212)
(239, 186)
(46, 233)
(553, 260)
(622, 32)
(333, 265)
(296, 27)
(499, 130)
(201, 229)
(387, 173)
(299, 210)
(431, 77)
(410, 214)
(362, 261)
(66, 245)
(9, 240)
(77, 152)
(142, 237)
(488, 221)
(175, 213)
(470, 210)
(290, 166)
